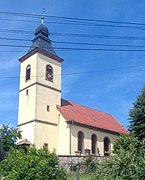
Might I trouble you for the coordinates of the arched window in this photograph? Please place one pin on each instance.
(80, 141)
(28, 72)
(49, 73)
(106, 146)
(94, 143)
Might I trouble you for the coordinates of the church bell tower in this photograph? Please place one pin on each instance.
(40, 91)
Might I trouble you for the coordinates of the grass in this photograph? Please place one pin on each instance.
(82, 176)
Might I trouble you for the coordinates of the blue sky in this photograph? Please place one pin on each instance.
(108, 88)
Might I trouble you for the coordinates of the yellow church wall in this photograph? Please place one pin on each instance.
(87, 139)
(46, 97)
(39, 133)
(46, 134)
(63, 136)
(27, 131)
(27, 108)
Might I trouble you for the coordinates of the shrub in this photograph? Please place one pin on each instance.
(89, 163)
(36, 164)
(128, 161)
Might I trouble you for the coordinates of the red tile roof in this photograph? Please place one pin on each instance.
(90, 117)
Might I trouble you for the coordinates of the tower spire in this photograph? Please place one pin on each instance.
(41, 39)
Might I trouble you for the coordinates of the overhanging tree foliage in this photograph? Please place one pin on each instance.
(8, 137)
(137, 116)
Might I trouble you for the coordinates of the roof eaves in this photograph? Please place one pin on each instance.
(93, 127)
(41, 51)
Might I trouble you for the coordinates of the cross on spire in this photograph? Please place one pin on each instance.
(42, 19)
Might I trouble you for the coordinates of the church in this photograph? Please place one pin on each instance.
(47, 120)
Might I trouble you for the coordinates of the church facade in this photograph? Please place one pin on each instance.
(47, 120)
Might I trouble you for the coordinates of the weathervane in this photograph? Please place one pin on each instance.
(43, 12)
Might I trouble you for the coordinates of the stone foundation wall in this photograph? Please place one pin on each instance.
(67, 161)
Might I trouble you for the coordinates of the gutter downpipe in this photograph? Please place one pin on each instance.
(71, 123)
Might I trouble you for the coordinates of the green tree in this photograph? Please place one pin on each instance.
(127, 143)
(128, 162)
(137, 116)
(35, 164)
(8, 137)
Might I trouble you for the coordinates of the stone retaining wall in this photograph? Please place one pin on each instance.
(67, 161)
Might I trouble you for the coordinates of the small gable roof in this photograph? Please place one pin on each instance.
(80, 114)
(24, 142)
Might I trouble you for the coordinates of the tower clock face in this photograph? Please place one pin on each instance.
(49, 73)
(49, 76)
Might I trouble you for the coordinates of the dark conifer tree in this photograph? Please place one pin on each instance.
(137, 116)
